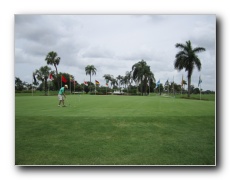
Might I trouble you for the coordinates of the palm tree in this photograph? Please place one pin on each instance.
(138, 72)
(53, 59)
(124, 81)
(187, 58)
(18, 84)
(128, 76)
(119, 78)
(42, 75)
(113, 82)
(107, 77)
(91, 70)
(141, 74)
(150, 77)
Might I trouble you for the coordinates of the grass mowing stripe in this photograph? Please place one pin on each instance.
(116, 141)
(114, 131)
(114, 106)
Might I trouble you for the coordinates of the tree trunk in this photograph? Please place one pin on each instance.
(141, 87)
(189, 84)
(46, 86)
(90, 82)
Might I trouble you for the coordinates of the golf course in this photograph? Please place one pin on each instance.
(115, 130)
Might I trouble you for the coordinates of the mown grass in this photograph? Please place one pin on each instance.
(114, 130)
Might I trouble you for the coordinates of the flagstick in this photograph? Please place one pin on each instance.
(168, 88)
(182, 84)
(173, 87)
(199, 84)
(200, 87)
(48, 88)
(32, 83)
(69, 85)
(200, 91)
(73, 85)
(149, 87)
(61, 81)
(83, 87)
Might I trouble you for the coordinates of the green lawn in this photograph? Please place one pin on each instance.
(114, 130)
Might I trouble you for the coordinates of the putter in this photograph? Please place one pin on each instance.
(67, 101)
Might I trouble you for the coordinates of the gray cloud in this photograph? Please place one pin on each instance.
(97, 52)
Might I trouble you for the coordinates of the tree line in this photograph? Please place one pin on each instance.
(140, 74)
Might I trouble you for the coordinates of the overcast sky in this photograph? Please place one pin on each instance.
(113, 43)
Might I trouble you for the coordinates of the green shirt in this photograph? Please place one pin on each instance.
(61, 91)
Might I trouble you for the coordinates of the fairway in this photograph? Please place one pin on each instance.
(114, 130)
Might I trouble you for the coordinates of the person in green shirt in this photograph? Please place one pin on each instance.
(62, 96)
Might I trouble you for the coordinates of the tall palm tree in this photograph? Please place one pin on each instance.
(128, 76)
(119, 78)
(141, 73)
(149, 77)
(91, 70)
(138, 72)
(53, 59)
(107, 77)
(124, 81)
(113, 82)
(187, 58)
(42, 75)
(18, 84)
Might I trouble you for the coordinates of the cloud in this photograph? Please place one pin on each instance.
(97, 52)
(113, 43)
(204, 35)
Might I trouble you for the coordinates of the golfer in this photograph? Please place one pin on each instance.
(61, 96)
